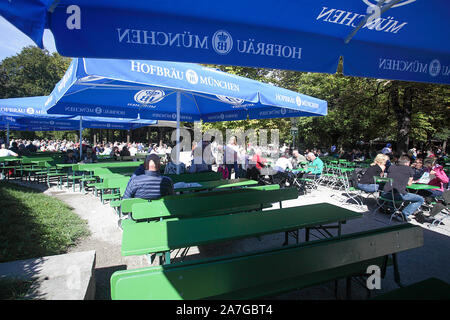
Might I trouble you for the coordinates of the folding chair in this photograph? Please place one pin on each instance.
(350, 190)
(441, 211)
(393, 202)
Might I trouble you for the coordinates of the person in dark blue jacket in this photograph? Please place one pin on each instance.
(150, 185)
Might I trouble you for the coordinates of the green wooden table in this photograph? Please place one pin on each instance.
(218, 184)
(420, 186)
(298, 170)
(165, 235)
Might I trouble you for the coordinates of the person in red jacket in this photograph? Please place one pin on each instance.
(259, 160)
(437, 176)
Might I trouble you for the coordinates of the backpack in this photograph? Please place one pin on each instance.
(356, 176)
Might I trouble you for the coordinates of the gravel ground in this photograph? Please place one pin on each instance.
(431, 260)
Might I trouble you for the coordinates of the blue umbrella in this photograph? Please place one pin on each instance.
(171, 91)
(389, 39)
(29, 114)
(158, 90)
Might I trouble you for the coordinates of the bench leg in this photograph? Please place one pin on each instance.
(336, 283)
(286, 238)
(349, 288)
(396, 270)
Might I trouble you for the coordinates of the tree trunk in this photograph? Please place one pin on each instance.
(403, 114)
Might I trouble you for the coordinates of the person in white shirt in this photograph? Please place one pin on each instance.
(133, 150)
(107, 150)
(6, 153)
(282, 164)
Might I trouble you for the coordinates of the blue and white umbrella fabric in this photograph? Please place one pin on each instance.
(388, 39)
(29, 114)
(153, 89)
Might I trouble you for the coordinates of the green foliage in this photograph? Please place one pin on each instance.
(32, 72)
(359, 109)
(14, 288)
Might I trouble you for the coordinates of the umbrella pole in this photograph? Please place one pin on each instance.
(81, 137)
(178, 130)
(7, 135)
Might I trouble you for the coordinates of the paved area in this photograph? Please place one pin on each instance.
(59, 277)
(431, 260)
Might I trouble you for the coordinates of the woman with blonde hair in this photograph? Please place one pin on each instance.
(376, 169)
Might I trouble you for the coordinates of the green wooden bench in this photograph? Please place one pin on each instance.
(160, 237)
(269, 272)
(195, 177)
(212, 204)
(124, 206)
(117, 186)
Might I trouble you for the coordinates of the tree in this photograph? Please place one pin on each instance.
(32, 72)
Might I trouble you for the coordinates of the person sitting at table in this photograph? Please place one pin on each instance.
(419, 169)
(151, 185)
(282, 164)
(171, 167)
(90, 156)
(376, 169)
(438, 178)
(402, 175)
(6, 153)
(70, 157)
(125, 152)
(14, 147)
(115, 153)
(315, 166)
(297, 158)
(258, 160)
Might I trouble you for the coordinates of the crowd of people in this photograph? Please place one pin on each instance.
(248, 161)
(21, 147)
(404, 170)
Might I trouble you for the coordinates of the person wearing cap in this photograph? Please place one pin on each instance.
(387, 149)
(150, 185)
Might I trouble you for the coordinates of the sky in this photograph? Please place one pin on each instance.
(12, 40)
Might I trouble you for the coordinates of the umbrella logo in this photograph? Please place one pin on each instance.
(98, 110)
(230, 100)
(52, 122)
(30, 111)
(401, 3)
(149, 96)
(108, 125)
(298, 100)
(191, 76)
(222, 42)
(174, 116)
(283, 110)
(435, 68)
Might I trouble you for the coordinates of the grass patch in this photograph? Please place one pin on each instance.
(12, 288)
(35, 225)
